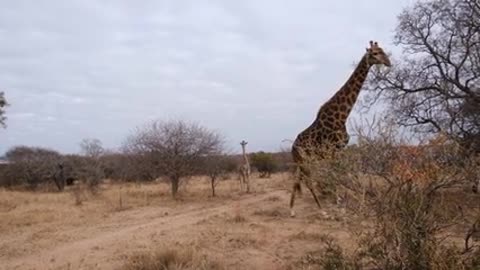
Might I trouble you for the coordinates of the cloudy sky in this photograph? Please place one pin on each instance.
(253, 69)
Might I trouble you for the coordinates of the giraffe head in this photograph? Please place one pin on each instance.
(376, 56)
(243, 143)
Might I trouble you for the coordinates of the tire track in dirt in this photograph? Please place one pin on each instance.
(102, 250)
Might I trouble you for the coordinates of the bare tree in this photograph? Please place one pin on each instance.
(174, 148)
(435, 85)
(3, 104)
(215, 166)
(93, 172)
(92, 147)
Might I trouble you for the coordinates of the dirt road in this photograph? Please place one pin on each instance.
(266, 240)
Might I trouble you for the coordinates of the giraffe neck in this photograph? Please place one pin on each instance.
(346, 97)
(245, 156)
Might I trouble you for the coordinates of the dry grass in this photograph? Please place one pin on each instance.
(42, 219)
(243, 240)
(255, 232)
(172, 259)
(77, 205)
(238, 218)
(273, 199)
(307, 236)
(272, 213)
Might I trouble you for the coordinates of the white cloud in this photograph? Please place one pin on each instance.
(256, 70)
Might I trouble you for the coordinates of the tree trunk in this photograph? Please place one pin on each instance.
(213, 186)
(175, 181)
(60, 184)
(59, 179)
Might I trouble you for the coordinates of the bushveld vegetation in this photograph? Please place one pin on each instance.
(170, 151)
(415, 195)
(264, 162)
(412, 195)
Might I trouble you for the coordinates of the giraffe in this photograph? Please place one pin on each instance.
(245, 169)
(328, 134)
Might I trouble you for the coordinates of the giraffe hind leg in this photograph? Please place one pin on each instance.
(310, 187)
(296, 187)
(305, 177)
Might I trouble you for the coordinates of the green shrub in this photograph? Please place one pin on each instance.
(264, 162)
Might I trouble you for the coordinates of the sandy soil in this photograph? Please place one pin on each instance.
(78, 230)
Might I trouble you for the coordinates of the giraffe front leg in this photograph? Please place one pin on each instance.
(310, 187)
(240, 180)
(296, 186)
(247, 180)
(241, 183)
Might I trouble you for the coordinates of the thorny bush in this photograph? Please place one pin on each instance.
(416, 199)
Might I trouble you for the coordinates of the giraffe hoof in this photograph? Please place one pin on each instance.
(292, 213)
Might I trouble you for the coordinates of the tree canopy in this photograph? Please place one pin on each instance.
(435, 85)
(173, 148)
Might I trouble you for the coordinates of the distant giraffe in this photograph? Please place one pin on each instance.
(245, 169)
(328, 132)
